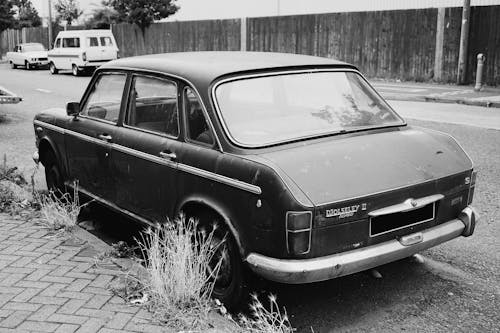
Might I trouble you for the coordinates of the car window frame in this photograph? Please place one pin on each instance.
(205, 115)
(126, 109)
(72, 47)
(124, 98)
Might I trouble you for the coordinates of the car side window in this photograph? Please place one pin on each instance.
(104, 100)
(57, 43)
(153, 105)
(197, 126)
(106, 41)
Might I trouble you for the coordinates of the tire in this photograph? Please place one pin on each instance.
(28, 66)
(13, 65)
(52, 68)
(53, 175)
(230, 285)
(75, 70)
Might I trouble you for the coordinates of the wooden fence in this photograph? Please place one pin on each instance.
(398, 44)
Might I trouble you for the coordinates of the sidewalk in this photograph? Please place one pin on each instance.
(426, 92)
(52, 284)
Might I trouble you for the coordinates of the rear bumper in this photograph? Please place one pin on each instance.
(324, 268)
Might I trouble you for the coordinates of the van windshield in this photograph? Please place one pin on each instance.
(277, 108)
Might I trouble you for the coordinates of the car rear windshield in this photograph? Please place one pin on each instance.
(266, 110)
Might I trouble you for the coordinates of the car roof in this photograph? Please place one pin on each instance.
(85, 32)
(30, 44)
(206, 66)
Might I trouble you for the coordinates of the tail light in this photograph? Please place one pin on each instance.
(472, 187)
(84, 56)
(298, 232)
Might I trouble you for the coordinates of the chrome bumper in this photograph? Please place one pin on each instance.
(296, 271)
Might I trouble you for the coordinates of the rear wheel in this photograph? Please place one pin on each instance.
(229, 286)
(53, 69)
(13, 65)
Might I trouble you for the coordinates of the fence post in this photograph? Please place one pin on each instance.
(438, 56)
(243, 34)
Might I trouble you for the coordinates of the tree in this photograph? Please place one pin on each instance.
(68, 10)
(103, 17)
(6, 15)
(27, 15)
(144, 12)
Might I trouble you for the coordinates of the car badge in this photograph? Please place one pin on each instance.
(414, 203)
(344, 212)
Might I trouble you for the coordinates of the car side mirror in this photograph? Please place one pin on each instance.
(73, 109)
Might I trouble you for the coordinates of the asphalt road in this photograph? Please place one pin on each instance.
(456, 289)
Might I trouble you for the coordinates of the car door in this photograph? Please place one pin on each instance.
(90, 136)
(55, 54)
(17, 55)
(146, 148)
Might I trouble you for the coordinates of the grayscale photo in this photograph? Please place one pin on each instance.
(265, 166)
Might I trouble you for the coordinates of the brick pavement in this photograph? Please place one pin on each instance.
(50, 283)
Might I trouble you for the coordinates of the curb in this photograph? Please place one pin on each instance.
(462, 101)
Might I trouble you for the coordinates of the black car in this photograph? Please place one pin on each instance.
(307, 168)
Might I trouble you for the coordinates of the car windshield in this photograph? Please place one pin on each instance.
(33, 47)
(266, 110)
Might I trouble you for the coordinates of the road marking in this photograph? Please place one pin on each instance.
(43, 90)
(385, 88)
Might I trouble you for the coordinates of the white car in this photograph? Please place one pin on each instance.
(81, 50)
(29, 55)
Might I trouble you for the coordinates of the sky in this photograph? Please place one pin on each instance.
(217, 9)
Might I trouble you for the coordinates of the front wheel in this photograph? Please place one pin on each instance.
(52, 68)
(75, 70)
(53, 175)
(28, 66)
(13, 65)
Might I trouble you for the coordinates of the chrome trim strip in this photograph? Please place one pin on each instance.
(296, 271)
(49, 126)
(111, 205)
(299, 71)
(221, 179)
(156, 159)
(178, 78)
(407, 205)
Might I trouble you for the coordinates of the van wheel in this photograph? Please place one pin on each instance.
(75, 70)
(52, 68)
(13, 65)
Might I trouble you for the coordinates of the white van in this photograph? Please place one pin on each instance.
(80, 50)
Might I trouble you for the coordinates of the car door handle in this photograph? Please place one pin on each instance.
(168, 156)
(105, 137)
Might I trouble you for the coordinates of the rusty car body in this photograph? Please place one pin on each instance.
(309, 170)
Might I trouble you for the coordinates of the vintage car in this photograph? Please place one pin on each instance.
(29, 55)
(309, 171)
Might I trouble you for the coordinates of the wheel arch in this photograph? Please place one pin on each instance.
(199, 203)
(45, 145)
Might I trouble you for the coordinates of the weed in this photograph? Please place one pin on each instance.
(266, 320)
(177, 257)
(59, 213)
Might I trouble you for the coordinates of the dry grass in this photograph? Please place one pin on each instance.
(59, 213)
(266, 320)
(177, 256)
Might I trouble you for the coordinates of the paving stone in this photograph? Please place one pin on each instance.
(119, 321)
(102, 281)
(49, 300)
(67, 319)
(92, 325)
(97, 301)
(78, 285)
(67, 328)
(37, 275)
(72, 306)
(26, 295)
(21, 306)
(38, 326)
(53, 289)
(32, 284)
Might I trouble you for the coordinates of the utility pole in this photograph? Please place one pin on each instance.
(464, 41)
(50, 25)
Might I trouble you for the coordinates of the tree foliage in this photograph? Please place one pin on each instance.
(6, 14)
(27, 15)
(103, 17)
(143, 12)
(68, 10)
